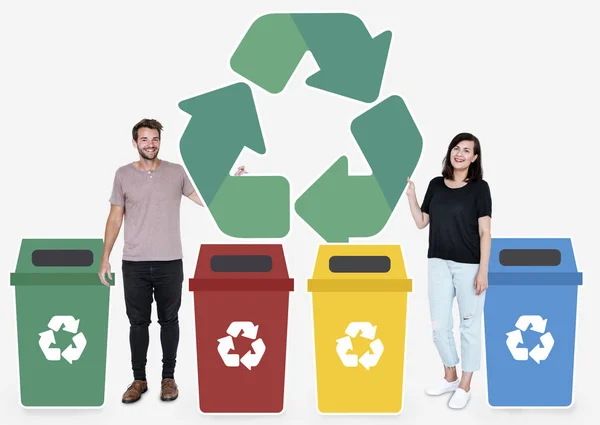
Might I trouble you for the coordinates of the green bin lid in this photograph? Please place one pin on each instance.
(59, 262)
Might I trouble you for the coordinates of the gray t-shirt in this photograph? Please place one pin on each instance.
(152, 201)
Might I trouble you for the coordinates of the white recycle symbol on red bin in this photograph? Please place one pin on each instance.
(73, 351)
(538, 353)
(226, 344)
(344, 344)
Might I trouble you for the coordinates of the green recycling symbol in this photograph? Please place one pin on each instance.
(224, 121)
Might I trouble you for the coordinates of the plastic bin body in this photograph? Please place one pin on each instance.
(530, 278)
(359, 300)
(236, 288)
(62, 307)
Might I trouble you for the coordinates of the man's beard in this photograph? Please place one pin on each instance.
(145, 155)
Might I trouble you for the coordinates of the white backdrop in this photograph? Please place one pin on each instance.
(76, 76)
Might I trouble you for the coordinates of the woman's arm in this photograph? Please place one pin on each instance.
(421, 218)
(485, 243)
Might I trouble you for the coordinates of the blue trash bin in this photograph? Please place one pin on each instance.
(530, 317)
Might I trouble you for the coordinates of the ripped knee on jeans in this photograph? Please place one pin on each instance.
(467, 320)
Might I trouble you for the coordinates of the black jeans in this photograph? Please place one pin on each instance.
(141, 281)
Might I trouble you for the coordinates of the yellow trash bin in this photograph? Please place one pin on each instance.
(359, 302)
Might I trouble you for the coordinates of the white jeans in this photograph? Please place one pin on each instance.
(446, 280)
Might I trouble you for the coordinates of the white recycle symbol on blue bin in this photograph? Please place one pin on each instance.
(537, 353)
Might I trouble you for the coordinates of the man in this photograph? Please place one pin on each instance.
(147, 194)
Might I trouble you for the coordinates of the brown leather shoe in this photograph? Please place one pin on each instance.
(168, 390)
(134, 391)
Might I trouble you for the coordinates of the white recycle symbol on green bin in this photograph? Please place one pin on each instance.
(226, 344)
(537, 353)
(344, 344)
(73, 351)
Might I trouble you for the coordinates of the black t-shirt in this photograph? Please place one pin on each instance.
(453, 219)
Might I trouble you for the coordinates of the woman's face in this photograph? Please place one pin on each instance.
(462, 155)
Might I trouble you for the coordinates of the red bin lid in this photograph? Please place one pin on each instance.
(245, 267)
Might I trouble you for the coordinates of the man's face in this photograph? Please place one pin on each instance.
(148, 143)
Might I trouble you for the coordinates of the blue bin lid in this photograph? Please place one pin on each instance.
(533, 261)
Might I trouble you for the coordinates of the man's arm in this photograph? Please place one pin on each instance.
(194, 197)
(113, 226)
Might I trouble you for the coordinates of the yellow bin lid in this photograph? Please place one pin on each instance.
(352, 268)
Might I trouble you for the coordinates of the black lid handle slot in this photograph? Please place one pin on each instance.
(241, 263)
(359, 264)
(530, 257)
(62, 258)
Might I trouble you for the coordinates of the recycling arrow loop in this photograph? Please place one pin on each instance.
(250, 359)
(365, 328)
(74, 351)
(344, 345)
(368, 359)
(540, 352)
(226, 344)
(351, 62)
(70, 324)
(537, 323)
(512, 342)
(45, 342)
(224, 121)
(249, 330)
(391, 143)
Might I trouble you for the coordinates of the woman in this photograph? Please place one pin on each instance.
(458, 209)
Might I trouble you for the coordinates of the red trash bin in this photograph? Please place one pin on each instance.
(241, 299)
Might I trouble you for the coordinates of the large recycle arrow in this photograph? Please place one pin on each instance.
(351, 62)
(223, 121)
(338, 206)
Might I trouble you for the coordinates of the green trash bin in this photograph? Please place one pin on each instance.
(62, 322)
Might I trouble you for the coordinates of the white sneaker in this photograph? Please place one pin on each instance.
(442, 386)
(459, 399)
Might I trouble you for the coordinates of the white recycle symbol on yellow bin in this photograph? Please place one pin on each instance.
(226, 344)
(73, 351)
(344, 344)
(537, 353)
